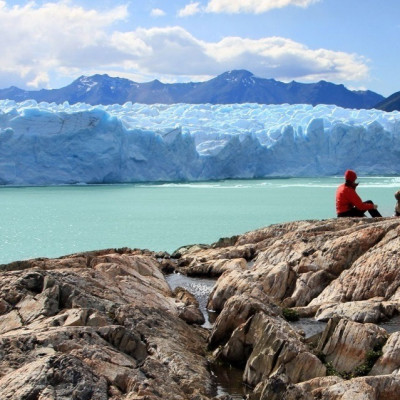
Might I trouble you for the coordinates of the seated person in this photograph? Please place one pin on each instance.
(397, 207)
(349, 203)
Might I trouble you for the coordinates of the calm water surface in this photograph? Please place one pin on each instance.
(59, 220)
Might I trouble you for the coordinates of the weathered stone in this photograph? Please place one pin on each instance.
(374, 274)
(389, 362)
(4, 307)
(260, 341)
(273, 281)
(329, 388)
(76, 317)
(97, 324)
(111, 315)
(365, 388)
(189, 311)
(276, 346)
(345, 343)
(359, 311)
(61, 376)
(279, 387)
(237, 310)
(10, 321)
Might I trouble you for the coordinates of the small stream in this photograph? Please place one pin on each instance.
(309, 326)
(228, 378)
(200, 288)
(391, 326)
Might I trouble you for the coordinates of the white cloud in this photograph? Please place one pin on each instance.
(43, 45)
(157, 12)
(253, 6)
(35, 39)
(174, 51)
(286, 59)
(189, 10)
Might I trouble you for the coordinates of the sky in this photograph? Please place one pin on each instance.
(48, 44)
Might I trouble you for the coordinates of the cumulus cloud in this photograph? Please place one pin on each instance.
(286, 59)
(40, 45)
(157, 12)
(174, 51)
(35, 39)
(253, 6)
(189, 10)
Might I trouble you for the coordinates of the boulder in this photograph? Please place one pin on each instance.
(60, 376)
(345, 343)
(262, 342)
(372, 310)
(189, 311)
(375, 273)
(389, 362)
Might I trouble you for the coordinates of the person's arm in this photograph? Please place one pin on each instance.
(358, 203)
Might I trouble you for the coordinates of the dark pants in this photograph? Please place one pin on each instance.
(355, 212)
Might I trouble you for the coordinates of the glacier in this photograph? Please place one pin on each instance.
(50, 144)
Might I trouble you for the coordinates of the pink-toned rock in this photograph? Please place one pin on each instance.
(329, 388)
(276, 346)
(237, 310)
(345, 343)
(273, 280)
(389, 362)
(111, 315)
(365, 388)
(189, 311)
(256, 338)
(95, 325)
(374, 274)
(358, 311)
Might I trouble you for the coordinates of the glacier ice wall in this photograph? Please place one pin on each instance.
(42, 143)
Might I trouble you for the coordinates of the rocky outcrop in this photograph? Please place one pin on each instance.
(107, 325)
(97, 325)
(343, 271)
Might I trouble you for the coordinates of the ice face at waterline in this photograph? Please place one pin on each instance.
(43, 143)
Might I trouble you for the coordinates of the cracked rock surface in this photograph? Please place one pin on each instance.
(96, 326)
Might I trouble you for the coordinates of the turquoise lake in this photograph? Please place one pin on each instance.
(59, 220)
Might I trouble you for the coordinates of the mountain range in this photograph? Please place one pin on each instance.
(238, 86)
(392, 103)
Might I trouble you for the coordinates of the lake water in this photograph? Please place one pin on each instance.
(59, 220)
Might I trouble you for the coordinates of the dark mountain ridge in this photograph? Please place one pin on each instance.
(392, 103)
(239, 86)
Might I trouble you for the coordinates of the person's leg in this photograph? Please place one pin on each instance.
(373, 213)
(354, 212)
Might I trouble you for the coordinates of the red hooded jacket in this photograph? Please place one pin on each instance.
(347, 198)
